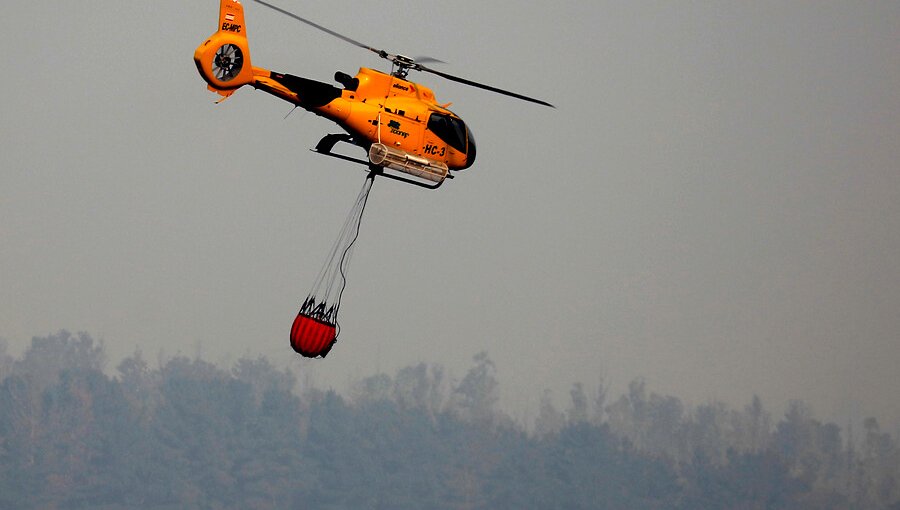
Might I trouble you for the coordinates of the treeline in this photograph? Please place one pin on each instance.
(188, 434)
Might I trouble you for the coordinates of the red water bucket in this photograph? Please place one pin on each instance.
(312, 337)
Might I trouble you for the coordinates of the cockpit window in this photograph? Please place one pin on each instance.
(449, 129)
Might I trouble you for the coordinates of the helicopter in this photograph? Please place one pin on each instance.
(398, 123)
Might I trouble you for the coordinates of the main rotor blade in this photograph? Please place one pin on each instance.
(342, 37)
(480, 85)
(409, 63)
(427, 60)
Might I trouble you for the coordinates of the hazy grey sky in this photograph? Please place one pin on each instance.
(714, 205)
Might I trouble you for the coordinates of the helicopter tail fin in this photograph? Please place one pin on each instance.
(223, 60)
(231, 16)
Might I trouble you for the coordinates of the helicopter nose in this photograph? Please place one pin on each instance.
(470, 153)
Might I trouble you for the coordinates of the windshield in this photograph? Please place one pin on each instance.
(449, 129)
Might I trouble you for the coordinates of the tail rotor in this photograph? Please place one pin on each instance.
(228, 62)
(223, 60)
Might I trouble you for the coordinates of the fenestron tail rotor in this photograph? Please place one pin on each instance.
(223, 59)
(228, 62)
(402, 63)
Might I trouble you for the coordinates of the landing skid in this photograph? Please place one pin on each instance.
(327, 143)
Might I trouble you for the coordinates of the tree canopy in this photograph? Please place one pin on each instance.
(190, 434)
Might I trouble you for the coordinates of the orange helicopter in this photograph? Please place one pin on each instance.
(398, 122)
